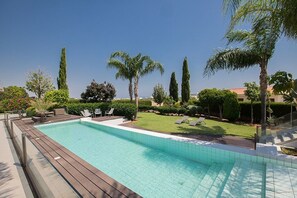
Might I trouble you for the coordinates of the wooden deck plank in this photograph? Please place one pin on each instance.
(70, 179)
(85, 178)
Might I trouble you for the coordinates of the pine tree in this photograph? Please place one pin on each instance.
(185, 88)
(62, 79)
(173, 87)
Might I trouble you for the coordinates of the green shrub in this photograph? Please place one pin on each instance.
(1, 108)
(124, 109)
(182, 110)
(231, 107)
(169, 110)
(192, 101)
(166, 110)
(146, 108)
(74, 100)
(57, 96)
(177, 104)
(30, 111)
(193, 110)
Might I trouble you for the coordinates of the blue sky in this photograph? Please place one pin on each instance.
(34, 31)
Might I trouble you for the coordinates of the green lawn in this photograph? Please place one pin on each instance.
(166, 124)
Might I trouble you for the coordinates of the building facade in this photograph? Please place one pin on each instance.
(242, 97)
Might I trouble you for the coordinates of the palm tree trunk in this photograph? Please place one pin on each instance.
(252, 113)
(130, 90)
(136, 94)
(263, 91)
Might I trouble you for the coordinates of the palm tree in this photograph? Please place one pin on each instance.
(143, 65)
(122, 62)
(257, 50)
(283, 13)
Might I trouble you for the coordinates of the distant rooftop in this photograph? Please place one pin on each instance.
(241, 90)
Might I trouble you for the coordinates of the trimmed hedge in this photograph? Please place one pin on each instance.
(120, 109)
(279, 109)
(124, 109)
(146, 108)
(146, 102)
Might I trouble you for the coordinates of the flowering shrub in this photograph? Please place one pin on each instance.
(17, 103)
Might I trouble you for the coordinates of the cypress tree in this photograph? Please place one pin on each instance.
(185, 87)
(62, 79)
(173, 87)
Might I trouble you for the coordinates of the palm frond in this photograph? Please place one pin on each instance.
(152, 66)
(251, 11)
(238, 36)
(231, 59)
(231, 6)
(119, 54)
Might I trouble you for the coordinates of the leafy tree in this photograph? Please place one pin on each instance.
(122, 62)
(60, 97)
(284, 84)
(159, 94)
(282, 14)
(252, 93)
(95, 92)
(185, 88)
(205, 98)
(173, 87)
(219, 98)
(231, 106)
(257, 49)
(13, 92)
(169, 101)
(39, 83)
(62, 79)
(212, 97)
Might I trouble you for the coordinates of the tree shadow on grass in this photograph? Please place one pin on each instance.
(215, 131)
(215, 134)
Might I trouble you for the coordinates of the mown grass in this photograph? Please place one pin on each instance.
(166, 124)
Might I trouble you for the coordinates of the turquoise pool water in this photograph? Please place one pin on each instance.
(154, 171)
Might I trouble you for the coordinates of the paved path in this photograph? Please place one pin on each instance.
(13, 182)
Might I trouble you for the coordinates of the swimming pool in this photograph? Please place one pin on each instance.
(155, 166)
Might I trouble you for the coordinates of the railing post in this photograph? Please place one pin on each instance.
(24, 160)
(5, 119)
(255, 141)
(257, 130)
(256, 137)
(11, 130)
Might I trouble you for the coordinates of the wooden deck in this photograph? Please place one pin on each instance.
(87, 180)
